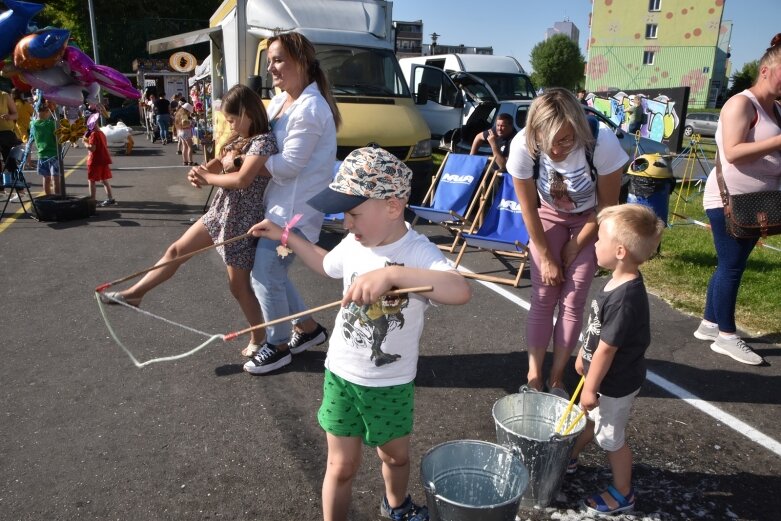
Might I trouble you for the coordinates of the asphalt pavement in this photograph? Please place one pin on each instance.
(84, 434)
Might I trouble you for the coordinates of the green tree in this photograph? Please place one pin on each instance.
(123, 27)
(557, 62)
(744, 79)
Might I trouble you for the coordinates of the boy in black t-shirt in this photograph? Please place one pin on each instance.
(612, 355)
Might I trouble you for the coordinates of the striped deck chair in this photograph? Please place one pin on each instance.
(334, 219)
(502, 232)
(454, 194)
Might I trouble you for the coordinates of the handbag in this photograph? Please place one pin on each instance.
(750, 216)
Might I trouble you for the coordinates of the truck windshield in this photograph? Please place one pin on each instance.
(359, 71)
(508, 86)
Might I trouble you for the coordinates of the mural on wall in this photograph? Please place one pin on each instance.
(665, 112)
(677, 43)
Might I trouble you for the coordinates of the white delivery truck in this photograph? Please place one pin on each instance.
(448, 88)
(354, 44)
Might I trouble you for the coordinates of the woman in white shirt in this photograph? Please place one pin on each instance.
(304, 119)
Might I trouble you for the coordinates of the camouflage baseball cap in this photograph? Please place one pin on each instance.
(366, 173)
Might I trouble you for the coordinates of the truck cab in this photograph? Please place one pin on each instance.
(353, 40)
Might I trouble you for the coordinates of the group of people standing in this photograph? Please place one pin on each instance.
(278, 161)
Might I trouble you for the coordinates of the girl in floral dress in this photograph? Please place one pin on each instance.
(241, 178)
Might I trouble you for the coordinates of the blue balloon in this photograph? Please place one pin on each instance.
(14, 22)
(48, 42)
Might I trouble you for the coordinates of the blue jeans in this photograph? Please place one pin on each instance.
(274, 290)
(732, 256)
(163, 121)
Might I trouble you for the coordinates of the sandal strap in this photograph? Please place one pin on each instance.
(620, 499)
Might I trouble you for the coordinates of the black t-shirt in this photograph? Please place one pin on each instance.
(621, 318)
(162, 106)
(502, 143)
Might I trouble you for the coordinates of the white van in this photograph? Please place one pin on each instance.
(448, 87)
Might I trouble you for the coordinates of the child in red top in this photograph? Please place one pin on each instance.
(98, 160)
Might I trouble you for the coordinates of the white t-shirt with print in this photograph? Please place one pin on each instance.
(377, 345)
(574, 172)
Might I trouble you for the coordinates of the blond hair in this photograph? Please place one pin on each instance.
(772, 55)
(548, 114)
(635, 227)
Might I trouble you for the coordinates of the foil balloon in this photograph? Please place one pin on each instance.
(70, 132)
(115, 82)
(41, 50)
(92, 90)
(7, 70)
(69, 95)
(14, 22)
(47, 79)
(79, 64)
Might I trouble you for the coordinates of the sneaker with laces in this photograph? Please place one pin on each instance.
(736, 349)
(706, 332)
(267, 359)
(408, 511)
(300, 341)
(107, 202)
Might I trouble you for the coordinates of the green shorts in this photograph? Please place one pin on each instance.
(376, 414)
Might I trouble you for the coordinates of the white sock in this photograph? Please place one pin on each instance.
(708, 323)
(728, 336)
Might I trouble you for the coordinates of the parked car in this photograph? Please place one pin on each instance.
(129, 114)
(702, 123)
(484, 116)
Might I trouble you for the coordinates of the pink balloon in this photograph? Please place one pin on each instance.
(115, 82)
(80, 65)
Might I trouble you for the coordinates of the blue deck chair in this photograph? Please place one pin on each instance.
(502, 231)
(454, 194)
(334, 219)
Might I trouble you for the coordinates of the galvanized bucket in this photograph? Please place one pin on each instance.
(526, 421)
(471, 480)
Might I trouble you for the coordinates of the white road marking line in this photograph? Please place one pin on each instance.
(698, 403)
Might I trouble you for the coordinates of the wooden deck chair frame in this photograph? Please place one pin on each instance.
(521, 251)
(459, 222)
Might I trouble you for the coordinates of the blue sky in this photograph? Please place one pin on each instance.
(514, 27)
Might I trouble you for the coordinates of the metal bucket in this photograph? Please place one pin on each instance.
(471, 480)
(526, 421)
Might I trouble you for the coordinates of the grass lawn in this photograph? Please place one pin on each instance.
(680, 274)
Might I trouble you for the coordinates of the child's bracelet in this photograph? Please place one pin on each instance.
(282, 250)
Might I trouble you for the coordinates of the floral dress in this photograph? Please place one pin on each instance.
(233, 212)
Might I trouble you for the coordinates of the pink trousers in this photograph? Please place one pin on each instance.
(570, 296)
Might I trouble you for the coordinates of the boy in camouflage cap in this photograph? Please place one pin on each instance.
(371, 365)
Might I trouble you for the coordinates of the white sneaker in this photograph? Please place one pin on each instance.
(15, 199)
(736, 349)
(706, 332)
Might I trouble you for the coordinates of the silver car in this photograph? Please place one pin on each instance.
(702, 123)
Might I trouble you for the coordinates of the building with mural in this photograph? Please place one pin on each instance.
(646, 45)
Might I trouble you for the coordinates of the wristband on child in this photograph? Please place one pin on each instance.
(282, 250)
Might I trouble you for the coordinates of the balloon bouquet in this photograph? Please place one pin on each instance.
(62, 73)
